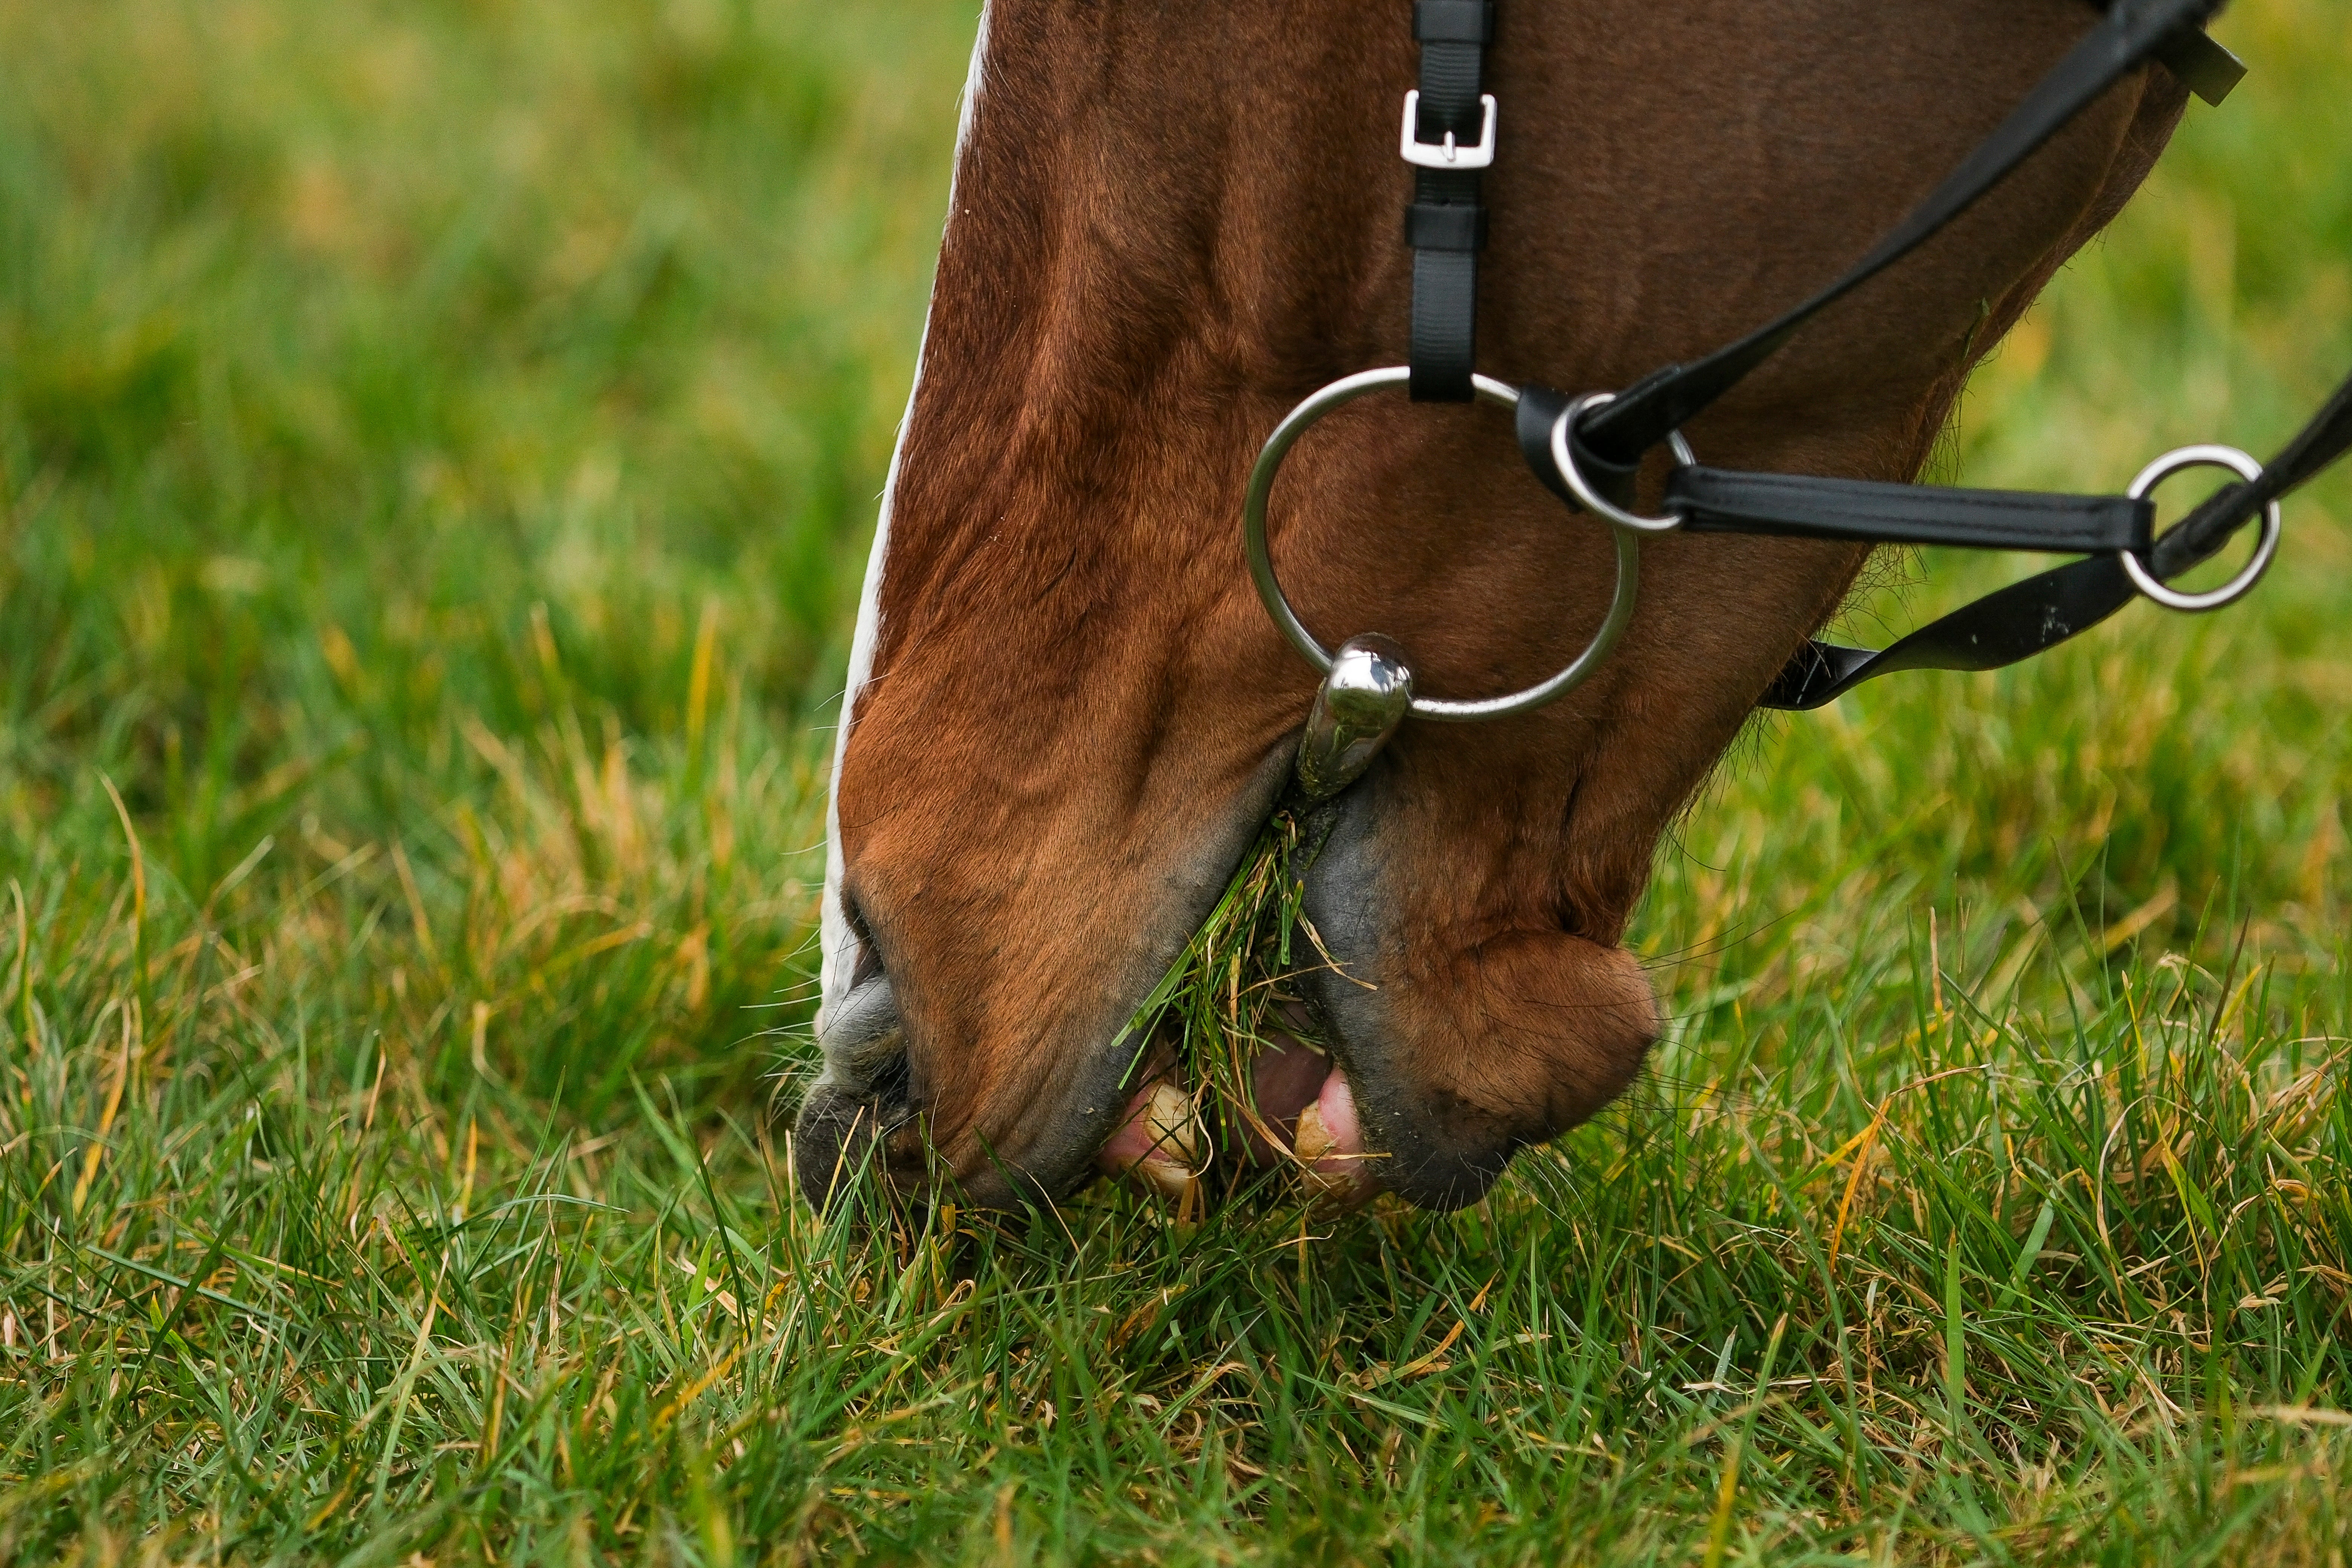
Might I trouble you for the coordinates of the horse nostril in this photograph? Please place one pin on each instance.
(864, 1042)
(865, 1091)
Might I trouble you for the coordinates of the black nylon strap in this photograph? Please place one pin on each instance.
(1437, 226)
(1446, 225)
(1445, 325)
(2037, 615)
(1615, 436)
(1453, 22)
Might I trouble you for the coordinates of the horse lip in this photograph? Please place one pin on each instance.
(1060, 1157)
(1043, 1147)
(1072, 1122)
(1344, 902)
(867, 1091)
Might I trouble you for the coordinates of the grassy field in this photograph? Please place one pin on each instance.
(437, 446)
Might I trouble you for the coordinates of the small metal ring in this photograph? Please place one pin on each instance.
(2229, 592)
(1347, 389)
(1564, 456)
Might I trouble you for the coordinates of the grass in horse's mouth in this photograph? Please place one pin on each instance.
(1234, 994)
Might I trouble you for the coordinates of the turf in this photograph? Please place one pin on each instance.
(437, 446)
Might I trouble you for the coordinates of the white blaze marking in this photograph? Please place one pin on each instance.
(839, 944)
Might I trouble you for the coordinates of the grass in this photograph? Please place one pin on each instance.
(435, 445)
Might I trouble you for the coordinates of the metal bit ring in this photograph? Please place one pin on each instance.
(2204, 456)
(1261, 562)
(1563, 457)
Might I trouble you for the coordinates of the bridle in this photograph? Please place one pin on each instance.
(1589, 449)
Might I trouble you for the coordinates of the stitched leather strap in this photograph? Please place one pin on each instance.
(1720, 501)
(1727, 501)
(1446, 225)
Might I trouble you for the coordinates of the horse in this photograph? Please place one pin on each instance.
(1066, 714)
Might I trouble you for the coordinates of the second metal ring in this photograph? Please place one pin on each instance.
(1563, 457)
(2241, 464)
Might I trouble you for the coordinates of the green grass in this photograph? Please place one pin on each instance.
(436, 444)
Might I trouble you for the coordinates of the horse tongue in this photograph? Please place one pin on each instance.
(1303, 1098)
(1285, 1079)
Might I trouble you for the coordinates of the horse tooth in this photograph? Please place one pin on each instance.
(1171, 1143)
(1314, 1139)
(1175, 1126)
(1171, 1179)
(1329, 1171)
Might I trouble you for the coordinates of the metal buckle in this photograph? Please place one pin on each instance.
(1448, 154)
(2204, 456)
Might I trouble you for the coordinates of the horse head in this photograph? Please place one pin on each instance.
(1068, 712)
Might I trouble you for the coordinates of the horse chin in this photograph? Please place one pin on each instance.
(1458, 1046)
(1449, 1048)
